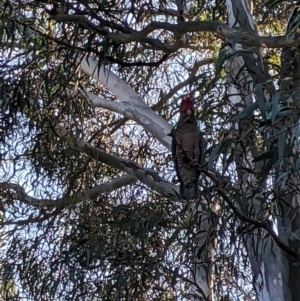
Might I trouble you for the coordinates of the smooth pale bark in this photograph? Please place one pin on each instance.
(268, 266)
(131, 105)
(204, 254)
(146, 176)
(290, 209)
(83, 196)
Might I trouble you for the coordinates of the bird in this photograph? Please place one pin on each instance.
(187, 149)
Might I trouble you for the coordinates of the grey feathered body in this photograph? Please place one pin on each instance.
(187, 155)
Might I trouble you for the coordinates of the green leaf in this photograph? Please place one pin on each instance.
(222, 146)
(268, 167)
(1, 34)
(246, 112)
(284, 112)
(88, 257)
(213, 154)
(275, 100)
(261, 100)
(295, 235)
(264, 156)
(296, 166)
(271, 3)
(282, 178)
(241, 199)
(281, 144)
(223, 56)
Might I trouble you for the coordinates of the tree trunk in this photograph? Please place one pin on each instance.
(269, 266)
(287, 192)
(204, 253)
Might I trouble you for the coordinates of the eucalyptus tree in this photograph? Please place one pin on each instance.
(90, 208)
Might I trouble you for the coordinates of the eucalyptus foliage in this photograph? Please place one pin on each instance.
(77, 228)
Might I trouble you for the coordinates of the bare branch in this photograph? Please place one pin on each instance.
(147, 177)
(222, 30)
(86, 195)
(86, 23)
(137, 63)
(131, 105)
(181, 85)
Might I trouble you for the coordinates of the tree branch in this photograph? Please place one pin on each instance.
(147, 177)
(86, 23)
(222, 30)
(137, 63)
(90, 194)
(181, 85)
(261, 224)
(131, 105)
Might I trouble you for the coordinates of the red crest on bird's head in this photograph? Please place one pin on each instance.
(187, 105)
